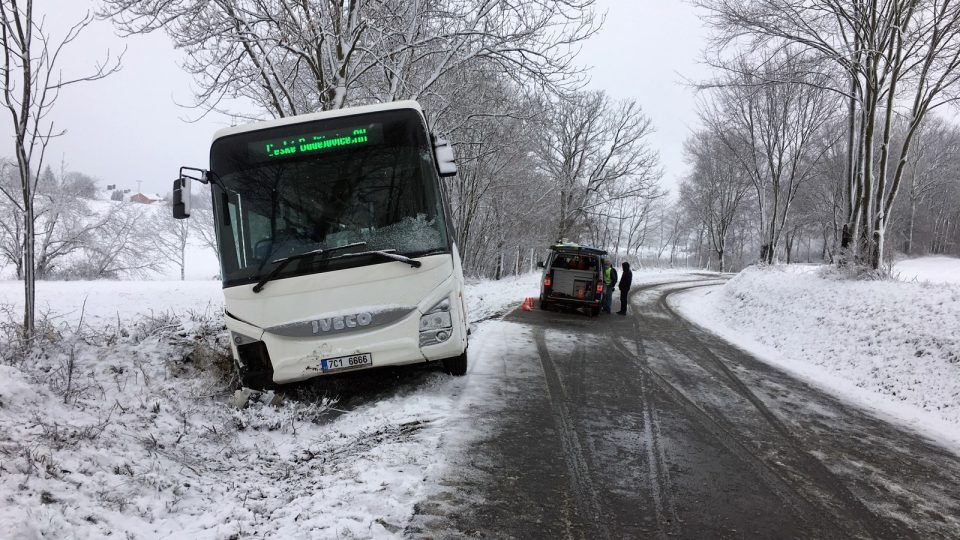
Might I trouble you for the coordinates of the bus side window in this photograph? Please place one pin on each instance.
(231, 211)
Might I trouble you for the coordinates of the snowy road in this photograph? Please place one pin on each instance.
(646, 426)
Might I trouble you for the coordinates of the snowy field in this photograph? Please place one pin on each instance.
(891, 346)
(931, 269)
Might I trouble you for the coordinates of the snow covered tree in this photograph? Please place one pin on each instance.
(64, 221)
(123, 247)
(288, 57)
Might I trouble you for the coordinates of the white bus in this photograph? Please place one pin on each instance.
(336, 248)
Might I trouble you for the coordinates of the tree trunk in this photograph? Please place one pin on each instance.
(876, 255)
(29, 243)
(908, 248)
(29, 269)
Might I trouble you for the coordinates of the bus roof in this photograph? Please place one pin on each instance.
(323, 115)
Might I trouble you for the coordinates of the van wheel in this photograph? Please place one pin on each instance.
(544, 305)
(594, 311)
(456, 366)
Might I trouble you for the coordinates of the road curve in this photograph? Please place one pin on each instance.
(648, 427)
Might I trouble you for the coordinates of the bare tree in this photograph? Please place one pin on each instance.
(714, 192)
(123, 247)
(32, 82)
(934, 164)
(170, 237)
(898, 57)
(493, 153)
(596, 151)
(203, 221)
(773, 129)
(11, 223)
(205, 227)
(291, 57)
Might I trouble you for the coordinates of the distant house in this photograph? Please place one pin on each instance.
(146, 198)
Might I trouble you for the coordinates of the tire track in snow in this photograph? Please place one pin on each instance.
(725, 434)
(812, 467)
(660, 486)
(584, 492)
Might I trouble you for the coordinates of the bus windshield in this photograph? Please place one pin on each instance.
(366, 179)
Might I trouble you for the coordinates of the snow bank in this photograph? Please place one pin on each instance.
(889, 345)
(932, 269)
(487, 298)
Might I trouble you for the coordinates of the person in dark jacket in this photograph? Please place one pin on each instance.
(626, 279)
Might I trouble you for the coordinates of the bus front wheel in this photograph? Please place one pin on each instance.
(456, 366)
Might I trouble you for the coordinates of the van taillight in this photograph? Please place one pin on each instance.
(547, 281)
(599, 287)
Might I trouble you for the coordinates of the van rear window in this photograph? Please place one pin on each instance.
(575, 262)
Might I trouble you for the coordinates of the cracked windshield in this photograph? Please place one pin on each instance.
(289, 191)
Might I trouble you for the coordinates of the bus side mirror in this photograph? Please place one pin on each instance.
(181, 198)
(446, 160)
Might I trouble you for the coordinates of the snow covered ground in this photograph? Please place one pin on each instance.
(891, 346)
(136, 435)
(932, 269)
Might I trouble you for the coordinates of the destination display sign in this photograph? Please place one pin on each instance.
(317, 143)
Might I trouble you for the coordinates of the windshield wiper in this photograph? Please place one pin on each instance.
(282, 263)
(390, 254)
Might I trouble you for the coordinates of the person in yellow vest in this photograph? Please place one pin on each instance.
(609, 284)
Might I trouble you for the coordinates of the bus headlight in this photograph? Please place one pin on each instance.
(435, 321)
(436, 325)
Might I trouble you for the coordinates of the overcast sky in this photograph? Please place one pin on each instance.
(129, 128)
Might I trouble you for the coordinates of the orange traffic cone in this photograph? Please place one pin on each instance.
(527, 304)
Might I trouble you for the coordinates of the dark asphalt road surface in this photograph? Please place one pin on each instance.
(648, 427)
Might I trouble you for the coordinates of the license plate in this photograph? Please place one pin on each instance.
(346, 362)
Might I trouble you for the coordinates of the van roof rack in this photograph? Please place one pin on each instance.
(572, 246)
